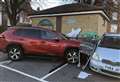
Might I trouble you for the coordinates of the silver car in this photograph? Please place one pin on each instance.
(106, 58)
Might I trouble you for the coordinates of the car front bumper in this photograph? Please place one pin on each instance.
(109, 70)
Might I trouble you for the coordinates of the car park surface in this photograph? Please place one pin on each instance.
(47, 69)
(31, 68)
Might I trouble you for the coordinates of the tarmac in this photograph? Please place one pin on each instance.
(3, 56)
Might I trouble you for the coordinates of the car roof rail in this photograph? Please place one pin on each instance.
(24, 25)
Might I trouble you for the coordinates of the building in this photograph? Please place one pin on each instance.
(2, 14)
(116, 15)
(72, 16)
(26, 10)
(113, 8)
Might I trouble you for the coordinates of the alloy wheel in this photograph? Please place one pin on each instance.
(14, 53)
(72, 56)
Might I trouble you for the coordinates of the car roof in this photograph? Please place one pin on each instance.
(31, 27)
(112, 34)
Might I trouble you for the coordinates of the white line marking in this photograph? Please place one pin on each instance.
(7, 61)
(28, 75)
(22, 73)
(54, 71)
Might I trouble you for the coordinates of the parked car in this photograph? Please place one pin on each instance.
(106, 59)
(20, 41)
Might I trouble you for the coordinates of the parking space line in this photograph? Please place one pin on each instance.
(7, 61)
(28, 75)
(49, 74)
(22, 73)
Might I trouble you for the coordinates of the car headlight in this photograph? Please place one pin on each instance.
(96, 57)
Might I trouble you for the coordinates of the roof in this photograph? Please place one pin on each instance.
(70, 8)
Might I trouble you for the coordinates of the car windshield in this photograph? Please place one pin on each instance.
(110, 42)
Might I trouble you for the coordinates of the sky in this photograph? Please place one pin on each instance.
(47, 3)
(43, 4)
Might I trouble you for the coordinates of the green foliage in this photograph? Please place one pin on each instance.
(90, 35)
(13, 8)
(1, 29)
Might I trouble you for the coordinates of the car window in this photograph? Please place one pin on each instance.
(49, 35)
(110, 42)
(32, 33)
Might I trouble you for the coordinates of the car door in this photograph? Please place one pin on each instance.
(31, 40)
(52, 42)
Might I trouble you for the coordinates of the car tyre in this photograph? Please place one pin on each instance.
(15, 53)
(72, 56)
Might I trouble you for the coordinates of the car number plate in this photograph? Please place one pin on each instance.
(111, 68)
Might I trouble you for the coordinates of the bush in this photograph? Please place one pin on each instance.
(2, 29)
(90, 35)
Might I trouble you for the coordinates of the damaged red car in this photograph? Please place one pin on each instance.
(20, 41)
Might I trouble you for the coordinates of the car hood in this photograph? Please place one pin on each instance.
(72, 42)
(108, 54)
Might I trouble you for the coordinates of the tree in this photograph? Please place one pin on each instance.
(13, 8)
(117, 7)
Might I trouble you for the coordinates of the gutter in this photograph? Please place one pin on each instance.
(73, 13)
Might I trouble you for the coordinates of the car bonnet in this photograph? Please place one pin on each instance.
(108, 54)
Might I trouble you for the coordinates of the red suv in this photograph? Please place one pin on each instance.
(18, 41)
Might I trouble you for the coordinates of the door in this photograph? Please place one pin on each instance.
(31, 40)
(52, 42)
(39, 41)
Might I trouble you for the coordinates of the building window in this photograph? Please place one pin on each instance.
(71, 20)
(46, 22)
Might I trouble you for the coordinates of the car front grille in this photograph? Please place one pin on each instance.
(111, 63)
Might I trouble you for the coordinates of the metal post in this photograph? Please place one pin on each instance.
(79, 63)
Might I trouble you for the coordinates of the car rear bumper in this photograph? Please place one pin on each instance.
(100, 69)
